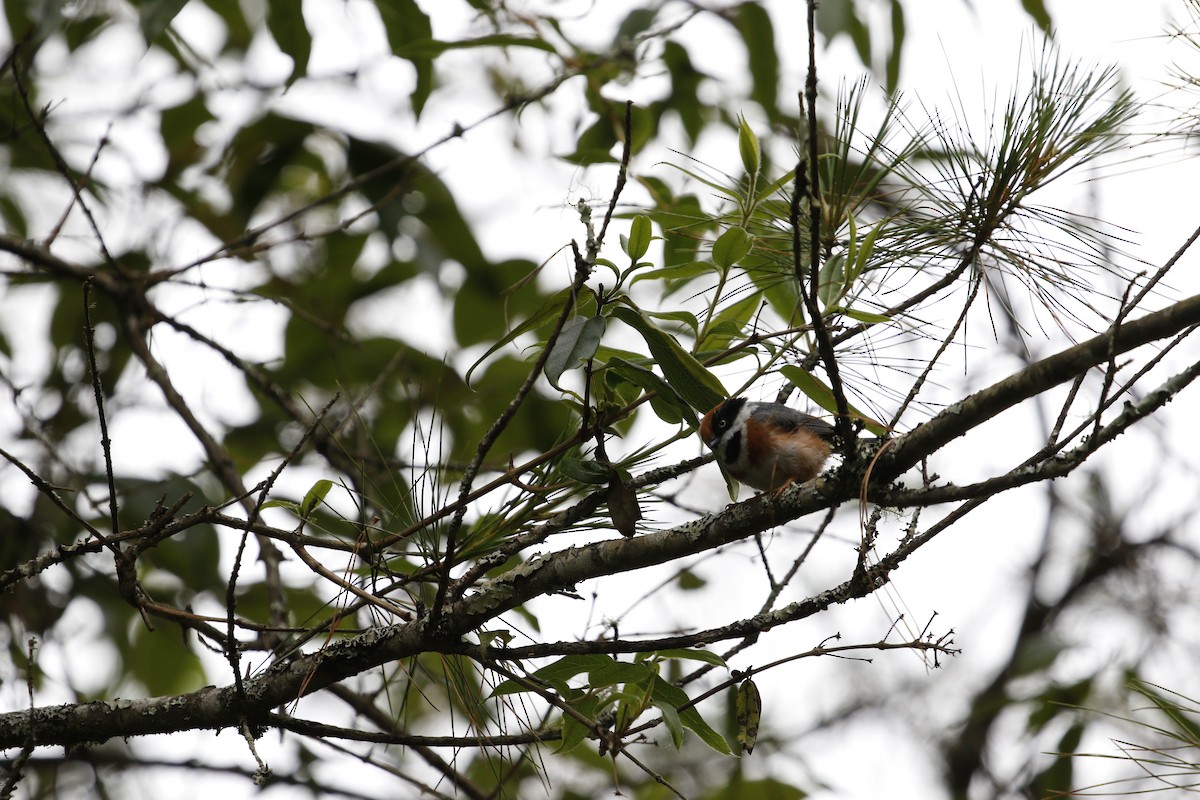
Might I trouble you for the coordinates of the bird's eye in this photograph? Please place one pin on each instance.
(722, 424)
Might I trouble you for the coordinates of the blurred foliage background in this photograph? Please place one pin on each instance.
(229, 216)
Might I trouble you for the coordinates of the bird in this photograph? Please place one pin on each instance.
(767, 446)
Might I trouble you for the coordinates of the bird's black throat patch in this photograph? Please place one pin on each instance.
(733, 447)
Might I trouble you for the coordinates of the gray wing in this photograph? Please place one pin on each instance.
(792, 420)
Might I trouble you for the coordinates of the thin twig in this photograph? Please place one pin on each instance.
(583, 270)
(945, 344)
(659, 779)
(16, 766)
(87, 175)
(1110, 372)
(98, 391)
(808, 184)
(50, 493)
(457, 131)
(564, 520)
(1038, 468)
(61, 164)
(219, 459)
(941, 645)
(232, 653)
(489, 439)
(480, 740)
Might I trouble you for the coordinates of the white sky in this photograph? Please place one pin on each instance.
(522, 207)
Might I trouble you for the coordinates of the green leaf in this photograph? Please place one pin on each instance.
(629, 704)
(694, 655)
(748, 148)
(639, 237)
(895, 57)
(857, 262)
(781, 289)
(866, 316)
(178, 128)
(758, 34)
(1057, 700)
(686, 317)
(575, 732)
(13, 216)
(731, 322)
(834, 19)
(822, 395)
(764, 789)
(731, 247)
(238, 31)
(685, 82)
(636, 22)
(253, 164)
(832, 280)
(1037, 654)
(1037, 10)
(680, 272)
(618, 672)
(1058, 778)
(489, 638)
(775, 186)
(163, 664)
(585, 470)
(674, 724)
(860, 34)
(667, 693)
(407, 24)
(595, 144)
(576, 344)
(682, 221)
(851, 245)
(666, 402)
(314, 497)
(535, 320)
(432, 48)
(155, 15)
(478, 317)
(286, 23)
(84, 28)
(694, 383)
(557, 674)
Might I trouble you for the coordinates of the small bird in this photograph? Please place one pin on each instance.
(767, 445)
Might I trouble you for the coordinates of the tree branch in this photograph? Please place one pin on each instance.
(926, 439)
